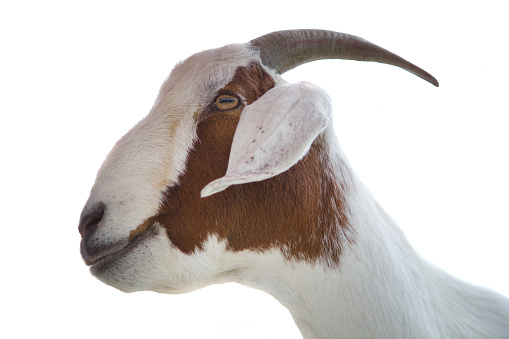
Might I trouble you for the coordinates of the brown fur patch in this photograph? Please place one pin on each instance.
(300, 211)
(250, 82)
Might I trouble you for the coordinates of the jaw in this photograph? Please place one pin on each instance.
(133, 268)
(151, 263)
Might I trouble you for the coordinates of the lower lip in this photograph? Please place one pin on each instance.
(150, 232)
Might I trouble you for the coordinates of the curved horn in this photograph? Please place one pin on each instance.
(285, 50)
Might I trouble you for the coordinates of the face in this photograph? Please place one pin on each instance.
(141, 227)
(146, 226)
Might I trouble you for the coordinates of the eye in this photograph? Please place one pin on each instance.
(226, 102)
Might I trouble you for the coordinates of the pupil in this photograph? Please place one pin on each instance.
(226, 100)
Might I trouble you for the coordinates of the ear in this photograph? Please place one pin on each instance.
(274, 133)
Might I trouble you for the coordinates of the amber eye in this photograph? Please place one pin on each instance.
(226, 102)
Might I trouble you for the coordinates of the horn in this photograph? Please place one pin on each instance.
(285, 50)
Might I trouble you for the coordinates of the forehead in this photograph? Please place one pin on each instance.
(203, 73)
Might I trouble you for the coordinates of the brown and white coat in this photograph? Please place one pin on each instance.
(236, 175)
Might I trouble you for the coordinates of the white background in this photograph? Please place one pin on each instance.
(75, 76)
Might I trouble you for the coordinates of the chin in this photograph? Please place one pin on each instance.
(140, 266)
(152, 263)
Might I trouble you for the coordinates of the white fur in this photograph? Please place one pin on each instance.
(381, 288)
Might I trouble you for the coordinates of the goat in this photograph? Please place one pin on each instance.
(236, 175)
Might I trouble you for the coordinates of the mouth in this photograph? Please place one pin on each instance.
(137, 236)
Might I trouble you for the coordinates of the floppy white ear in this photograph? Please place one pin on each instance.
(274, 133)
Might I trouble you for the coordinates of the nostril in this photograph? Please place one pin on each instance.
(90, 220)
